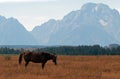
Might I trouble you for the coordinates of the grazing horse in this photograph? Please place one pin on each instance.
(41, 57)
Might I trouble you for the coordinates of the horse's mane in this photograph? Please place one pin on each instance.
(46, 53)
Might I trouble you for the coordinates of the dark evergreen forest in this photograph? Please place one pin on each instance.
(67, 50)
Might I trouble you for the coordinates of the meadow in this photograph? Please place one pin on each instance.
(68, 67)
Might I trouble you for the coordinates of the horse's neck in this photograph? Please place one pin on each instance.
(51, 56)
(48, 56)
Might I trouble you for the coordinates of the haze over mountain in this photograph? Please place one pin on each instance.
(92, 24)
(14, 33)
(44, 32)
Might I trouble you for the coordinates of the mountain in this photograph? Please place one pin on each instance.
(42, 34)
(14, 33)
(92, 24)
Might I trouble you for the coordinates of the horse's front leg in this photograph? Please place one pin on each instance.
(43, 65)
(27, 62)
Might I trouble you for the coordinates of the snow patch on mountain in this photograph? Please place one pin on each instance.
(103, 23)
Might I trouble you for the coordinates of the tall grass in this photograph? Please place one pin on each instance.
(69, 67)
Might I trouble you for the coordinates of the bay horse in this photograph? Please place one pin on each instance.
(41, 57)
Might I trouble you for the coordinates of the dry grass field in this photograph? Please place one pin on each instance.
(69, 67)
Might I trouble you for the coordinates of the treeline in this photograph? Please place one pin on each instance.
(81, 50)
(5, 50)
(68, 50)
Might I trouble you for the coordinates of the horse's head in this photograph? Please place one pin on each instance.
(54, 59)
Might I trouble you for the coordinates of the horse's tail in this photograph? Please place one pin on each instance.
(20, 58)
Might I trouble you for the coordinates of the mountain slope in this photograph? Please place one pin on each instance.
(92, 24)
(13, 33)
(42, 34)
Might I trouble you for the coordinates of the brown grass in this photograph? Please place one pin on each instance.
(69, 67)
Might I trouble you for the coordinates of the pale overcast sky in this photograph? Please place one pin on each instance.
(35, 12)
